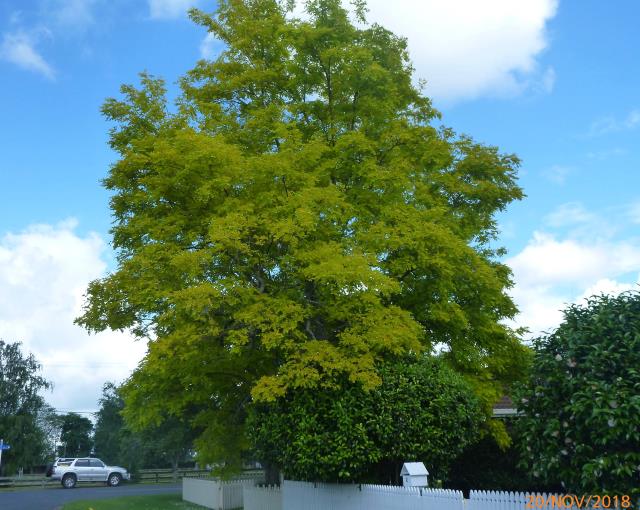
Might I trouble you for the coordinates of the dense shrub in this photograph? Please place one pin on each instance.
(422, 411)
(581, 405)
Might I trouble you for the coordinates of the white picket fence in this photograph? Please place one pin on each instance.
(215, 494)
(493, 500)
(317, 496)
(410, 498)
(262, 498)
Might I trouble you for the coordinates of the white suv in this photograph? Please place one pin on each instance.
(71, 471)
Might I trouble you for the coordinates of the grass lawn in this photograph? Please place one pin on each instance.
(155, 502)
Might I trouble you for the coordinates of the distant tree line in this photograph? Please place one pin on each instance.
(166, 444)
(38, 434)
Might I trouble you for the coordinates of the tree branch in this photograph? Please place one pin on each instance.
(307, 327)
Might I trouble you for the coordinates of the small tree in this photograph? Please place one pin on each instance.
(22, 408)
(76, 436)
(422, 411)
(50, 422)
(109, 425)
(581, 406)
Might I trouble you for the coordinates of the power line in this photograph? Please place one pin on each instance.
(85, 365)
(72, 411)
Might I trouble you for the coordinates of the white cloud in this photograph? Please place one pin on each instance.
(77, 14)
(548, 80)
(540, 308)
(62, 17)
(610, 124)
(574, 222)
(550, 273)
(607, 286)
(633, 119)
(558, 173)
(605, 154)
(44, 272)
(19, 49)
(465, 48)
(570, 214)
(208, 46)
(548, 261)
(166, 9)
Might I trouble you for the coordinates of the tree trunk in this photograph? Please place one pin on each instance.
(174, 467)
(271, 474)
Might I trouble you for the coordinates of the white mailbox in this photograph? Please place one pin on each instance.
(414, 474)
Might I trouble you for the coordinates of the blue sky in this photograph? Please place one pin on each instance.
(555, 82)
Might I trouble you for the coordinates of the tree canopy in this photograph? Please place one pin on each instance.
(295, 219)
(581, 406)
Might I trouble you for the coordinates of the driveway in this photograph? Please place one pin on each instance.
(53, 498)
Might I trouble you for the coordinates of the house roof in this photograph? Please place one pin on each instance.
(414, 469)
(504, 408)
(504, 403)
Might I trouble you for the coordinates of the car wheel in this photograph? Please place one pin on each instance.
(114, 479)
(69, 481)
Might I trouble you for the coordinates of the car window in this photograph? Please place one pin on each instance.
(96, 463)
(82, 463)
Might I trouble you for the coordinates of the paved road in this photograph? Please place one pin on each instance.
(53, 498)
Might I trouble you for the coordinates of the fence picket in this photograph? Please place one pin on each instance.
(493, 500)
(262, 498)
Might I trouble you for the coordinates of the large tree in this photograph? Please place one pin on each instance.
(23, 411)
(297, 218)
(581, 405)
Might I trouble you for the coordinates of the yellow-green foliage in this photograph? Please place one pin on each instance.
(297, 217)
